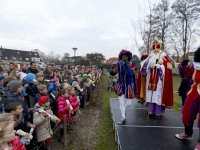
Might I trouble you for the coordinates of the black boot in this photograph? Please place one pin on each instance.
(157, 116)
(69, 130)
(61, 133)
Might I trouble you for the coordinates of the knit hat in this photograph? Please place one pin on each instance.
(22, 75)
(30, 77)
(42, 100)
(1, 77)
(13, 85)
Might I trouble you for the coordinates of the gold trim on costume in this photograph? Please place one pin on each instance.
(169, 65)
(198, 88)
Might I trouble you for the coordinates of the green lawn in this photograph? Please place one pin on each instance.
(177, 98)
(106, 135)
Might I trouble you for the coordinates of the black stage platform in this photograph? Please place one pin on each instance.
(142, 133)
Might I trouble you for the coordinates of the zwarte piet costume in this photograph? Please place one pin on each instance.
(126, 87)
(192, 104)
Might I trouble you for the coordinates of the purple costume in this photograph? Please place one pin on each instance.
(186, 73)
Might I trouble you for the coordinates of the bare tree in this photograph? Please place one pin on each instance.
(95, 57)
(161, 20)
(186, 21)
(66, 54)
(175, 23)
(53, 57)
(144, 34)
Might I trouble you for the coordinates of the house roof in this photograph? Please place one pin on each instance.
(17, 55)
(112, 60)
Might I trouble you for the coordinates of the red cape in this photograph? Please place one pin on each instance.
(192, 95)
(167, 95)
(141, 86)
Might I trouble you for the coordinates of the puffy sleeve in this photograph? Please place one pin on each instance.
(62, 107)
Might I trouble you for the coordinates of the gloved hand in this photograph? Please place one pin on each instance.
(156, 66)
(125, 63)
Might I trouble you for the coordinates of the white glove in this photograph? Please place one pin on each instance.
(156, 65)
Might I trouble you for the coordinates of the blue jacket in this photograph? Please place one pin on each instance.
(52, 89)
(37, 96)
(126, 83)
(18, 98)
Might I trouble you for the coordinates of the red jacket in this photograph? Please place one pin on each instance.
(74, 102)
(17, 144)
(63, 109)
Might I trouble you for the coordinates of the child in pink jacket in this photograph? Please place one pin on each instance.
(64, 108)
(74, 102)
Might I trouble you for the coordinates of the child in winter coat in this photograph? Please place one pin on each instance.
(64, 108)
(31, 89)
(64, 86)
(4, 92)
(42, 115)
(8, 139)
(53, 92)
(83, 85)
(40, 78)
(15, 108)
(74, 102)
(15, 95)
(42, 91)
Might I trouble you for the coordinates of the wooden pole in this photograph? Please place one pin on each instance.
(65, 131)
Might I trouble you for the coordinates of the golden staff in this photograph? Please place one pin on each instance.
(163, 49)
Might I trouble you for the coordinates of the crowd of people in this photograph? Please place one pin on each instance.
(33, 102)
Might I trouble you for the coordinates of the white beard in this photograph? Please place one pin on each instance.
(152, 60)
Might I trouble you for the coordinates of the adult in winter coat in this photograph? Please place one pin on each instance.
(32, 68)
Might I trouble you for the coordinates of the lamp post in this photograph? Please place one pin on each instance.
(75, 49)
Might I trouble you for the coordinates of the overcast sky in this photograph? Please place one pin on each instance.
(90, 25)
